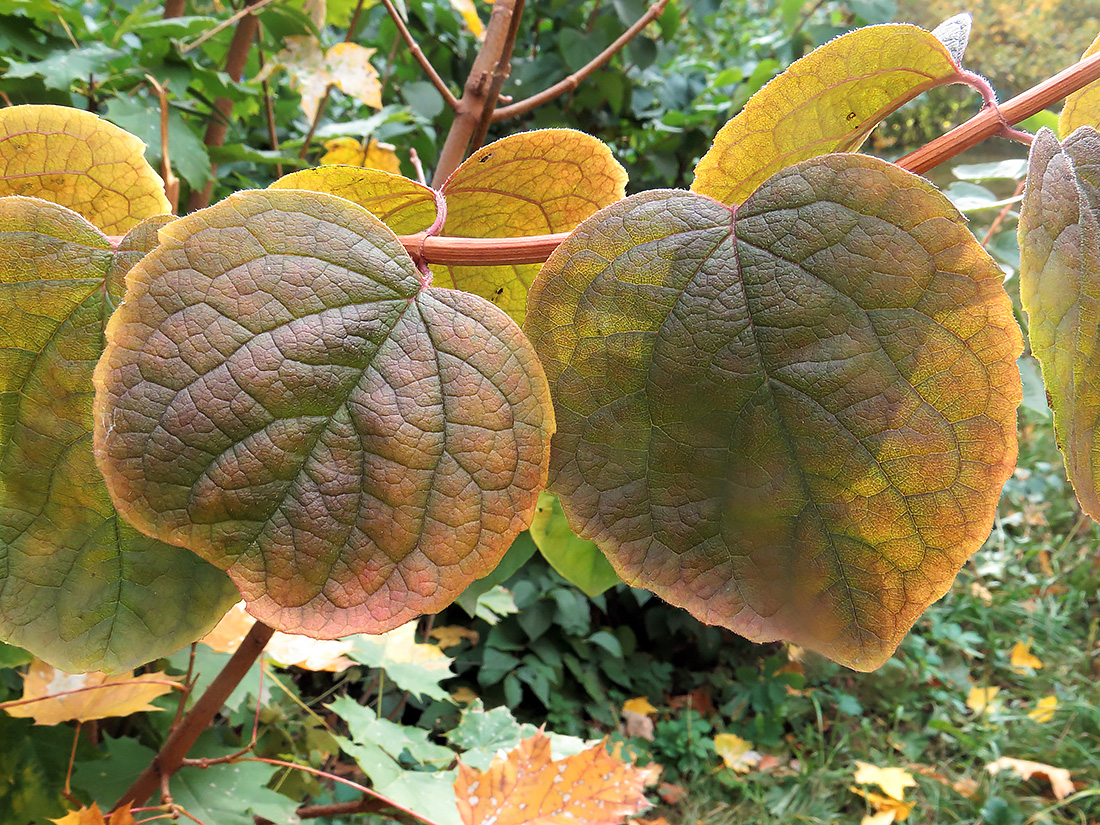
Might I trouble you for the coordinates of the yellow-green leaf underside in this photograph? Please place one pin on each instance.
(75, 159)
(79, 588)
(1059, 234)
(827, 101)
(792, 418)
(283, 395)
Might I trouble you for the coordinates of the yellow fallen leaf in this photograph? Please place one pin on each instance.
(463, 695)
(96, 696)
(736, 752)
(228, 633)
(92, 816)
(350, 152)
(469, 14)
(1061, 782)
(639, 705)
(887, 808)
(452, 635)
(881, 818)
(1022, 659)
(1044, 709)
(893, 781)
(982, 699)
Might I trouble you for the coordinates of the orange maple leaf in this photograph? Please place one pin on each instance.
(525, 787)
(92, 816)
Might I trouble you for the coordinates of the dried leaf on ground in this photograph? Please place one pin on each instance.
(964, 786)
(887, 808)
(525, 786)
(671, 794)
(981, 699)
(637, 724)
(893, 781)
(640, 705)
(1061, 782)
(736, 752)
(1044, 709)
(93, 816)
(1023, 659)
(119, 696)
(452, 635)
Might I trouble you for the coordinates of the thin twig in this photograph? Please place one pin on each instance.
(269, 110)
(171, 182)
(421, 58)
(571, 82)
(997, 221)
(414, 159)
(204, 762)
(250, 8)
(188, 687)
(67, 790)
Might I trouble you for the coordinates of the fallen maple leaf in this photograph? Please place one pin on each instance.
(736, 752)
(524, 787)
(1061, 782)
(92, 816)
(965, 786)
(65, 697)
(982, 699)
(671, 794)
(887, 808)
(452, 635)
(893, 781)
(639, 705)
(1022, 659)
(1044, 709)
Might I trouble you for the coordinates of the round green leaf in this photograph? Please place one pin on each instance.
(282, 394)
(792, 418)
(576, 559)
(78, 587)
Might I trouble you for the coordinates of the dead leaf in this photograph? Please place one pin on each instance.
(671, 794)
(1022, 659)
(463, 695)
(346, 66)
(1061, 783)
(736, 752)
(893, 781)
(109, 695)
(228, 634)
(452, 635)
(637, 724)
(283, 649)
(964, 786)
(698, 700)
(887, 808)
(982, 699)
(1044, 709)
(639, 705)
(469, 14)
(525, 786)
(92, 816)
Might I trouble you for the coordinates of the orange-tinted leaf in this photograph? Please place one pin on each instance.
(639, 705)
(1060, 779)
(283, 649)
(350, 152)
(282, 394)
(1059, 233)
(1022, 659)
(524, 787)
(405, 206)
(1082, 108)
(827, 101)
(75, 159)
(794, 418)
(533, 183)
(887, 808)
(109, 696)
(93, 816)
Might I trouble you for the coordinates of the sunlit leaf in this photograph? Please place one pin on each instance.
(893, 781)
(954, 33)
(414, 666)
(887, 808)
(350, 152)
(793, 419)
(1022, 659)
(453, 635)
(469, 13)
(283, 649)
(639, 705)
(736, 753)
(533, 183)
(827, 101)
(405, 206)
(1044, 709)
(78, 587)
(525, 786)
(1059, 232)
(282, 394)
(92, 816)
(346, 66)
(75, 159)
(1082, 108)
(61, 699)
(983, 699)
(577, 560)
(1060, 779)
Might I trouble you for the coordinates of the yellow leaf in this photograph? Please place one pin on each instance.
(75, 159)
(1044, 709)
(886, 806)
(1082, 108)
(1061, 782)
(463, 695)
(1023, 659)
(736, 752)
(400, 646)
(346, 66)
(228, 633)
(350, 152)
(284, 649)
(893, 781)
(639, 705)
(469, 14)
(828, 101)
(452, 635)
(981, 699)
(110, 695)
(93, 816)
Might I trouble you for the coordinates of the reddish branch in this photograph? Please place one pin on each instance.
(421, 58)
(570, 83)
(216, 130)
(174, 8)
(202, 713)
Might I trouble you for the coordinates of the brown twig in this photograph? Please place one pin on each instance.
(67, 790)
(204, 762)
(479, 96)
(202, 713)
(171, 182)
(235, 60)
(997, 221)
(500, 74)
(421, 58)
(249, 10)
(571, 82)
(991, 121)
(188, 687)
(269, 111)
